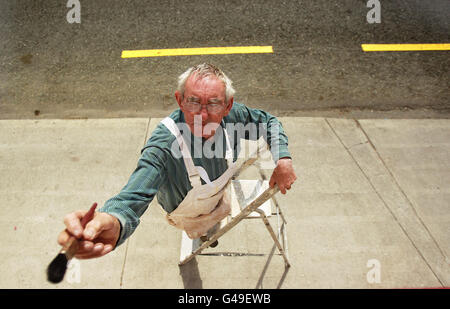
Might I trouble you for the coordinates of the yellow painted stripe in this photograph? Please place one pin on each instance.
(404, 47)
(196, 51)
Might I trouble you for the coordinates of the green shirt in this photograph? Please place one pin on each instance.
(161, 171)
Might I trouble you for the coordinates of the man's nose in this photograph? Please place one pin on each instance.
(204, 113)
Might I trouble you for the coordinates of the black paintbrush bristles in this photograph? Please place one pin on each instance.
(57, 268)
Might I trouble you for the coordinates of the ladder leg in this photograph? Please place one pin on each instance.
(267, 194)
(274, 237)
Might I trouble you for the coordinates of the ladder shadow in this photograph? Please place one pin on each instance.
(259, 285)
(191, 275)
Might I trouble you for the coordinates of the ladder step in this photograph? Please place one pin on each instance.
(243, 192)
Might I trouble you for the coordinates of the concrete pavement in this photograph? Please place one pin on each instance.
(370, 208)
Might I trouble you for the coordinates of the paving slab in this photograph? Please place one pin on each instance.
(343, 223)
(364, 203)
(337, 224)
(48, 169)
(395, 199)
(417, 154)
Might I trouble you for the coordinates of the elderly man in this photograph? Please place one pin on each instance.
(174, 166)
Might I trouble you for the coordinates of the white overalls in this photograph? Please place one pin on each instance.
(204, 205)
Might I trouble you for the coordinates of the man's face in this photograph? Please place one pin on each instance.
(204, 104)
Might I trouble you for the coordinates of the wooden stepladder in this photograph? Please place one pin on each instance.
(249, 199)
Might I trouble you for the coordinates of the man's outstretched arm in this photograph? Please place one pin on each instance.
(119, 217)
(133, 200)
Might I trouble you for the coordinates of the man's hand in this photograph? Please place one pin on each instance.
(283, 175)
(98, 237)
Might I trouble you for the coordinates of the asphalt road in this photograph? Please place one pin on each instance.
(50, 68)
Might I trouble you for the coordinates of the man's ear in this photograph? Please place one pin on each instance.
(229, 106)
(179, 98)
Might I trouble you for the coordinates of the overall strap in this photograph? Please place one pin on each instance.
(194, 177)
(229, 150)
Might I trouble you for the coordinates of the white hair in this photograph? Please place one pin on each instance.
(203, 70)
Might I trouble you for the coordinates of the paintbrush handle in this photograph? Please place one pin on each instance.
(71, 247)
(89, 215)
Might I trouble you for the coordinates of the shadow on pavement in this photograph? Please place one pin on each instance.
(190, 275)
(263, 273)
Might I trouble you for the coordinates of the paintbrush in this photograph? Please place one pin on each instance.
(57, 268)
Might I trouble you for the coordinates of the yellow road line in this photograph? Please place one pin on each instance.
(196, 51)
(404, 47)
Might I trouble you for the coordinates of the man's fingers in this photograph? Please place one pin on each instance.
(63, 237)
(96, 239)
(282, 184)
(95, 251)
(93, 228)
(90, 250)
(283, 175)
(87, 249)
(97, 225)
(85, 246)
(73, 223)
(272, 181)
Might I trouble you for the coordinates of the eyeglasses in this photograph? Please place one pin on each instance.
(193, 105)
